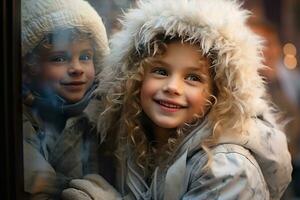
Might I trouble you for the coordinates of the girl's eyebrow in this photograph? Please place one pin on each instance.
(166, 64)
(194, 68)
(200, 66)
(157, 61)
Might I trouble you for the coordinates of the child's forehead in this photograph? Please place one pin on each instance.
(68, 47)
(59, 43)
(178, 48)
(183, 47)
(63, 39)
(66, 35)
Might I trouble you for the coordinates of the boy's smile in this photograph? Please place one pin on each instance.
(74, 85)
(176, 86)
(67, 69)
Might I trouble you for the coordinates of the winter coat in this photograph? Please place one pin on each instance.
(250, 159)
(58, 157)
(256, 167)
(59, 148)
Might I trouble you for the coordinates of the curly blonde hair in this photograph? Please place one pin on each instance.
(122, 106)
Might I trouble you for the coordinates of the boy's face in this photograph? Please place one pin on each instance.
(67, 69)
(176, 86)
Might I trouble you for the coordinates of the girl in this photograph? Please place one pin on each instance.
(63, 44)
(189, 108)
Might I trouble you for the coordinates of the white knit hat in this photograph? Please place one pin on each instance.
(40, 17)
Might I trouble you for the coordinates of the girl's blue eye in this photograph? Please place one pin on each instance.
(160, 71)
(194, 77)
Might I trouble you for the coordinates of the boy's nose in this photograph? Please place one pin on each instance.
(75, 68)
(174, 86)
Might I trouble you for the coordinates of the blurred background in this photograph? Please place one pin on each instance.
(278, 22)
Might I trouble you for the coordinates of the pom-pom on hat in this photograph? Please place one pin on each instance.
(40, 17)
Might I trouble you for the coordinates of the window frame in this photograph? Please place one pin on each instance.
(12, 145)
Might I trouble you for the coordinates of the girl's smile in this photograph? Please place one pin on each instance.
(170, 106)
(176, 86)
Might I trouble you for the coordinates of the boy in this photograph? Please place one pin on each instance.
(63, 43)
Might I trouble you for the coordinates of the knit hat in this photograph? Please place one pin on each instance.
(40, 17)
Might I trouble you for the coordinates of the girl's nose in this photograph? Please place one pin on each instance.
(75, 68)
(173, 86)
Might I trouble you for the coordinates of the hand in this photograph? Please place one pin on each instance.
(91, 187)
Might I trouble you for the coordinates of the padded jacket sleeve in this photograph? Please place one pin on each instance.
(232, 173)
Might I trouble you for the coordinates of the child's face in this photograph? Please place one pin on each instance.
(176, 86)
(67, 69)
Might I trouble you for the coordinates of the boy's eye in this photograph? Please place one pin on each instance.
(85, 57)
(159, 71)
(193, 77)
(58, 59)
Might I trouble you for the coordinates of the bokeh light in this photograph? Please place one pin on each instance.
(289, 49)
(290, 61)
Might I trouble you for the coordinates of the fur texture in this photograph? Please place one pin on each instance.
(236, 51)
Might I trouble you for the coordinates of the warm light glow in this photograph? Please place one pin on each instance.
(290, 61)
(289, 49)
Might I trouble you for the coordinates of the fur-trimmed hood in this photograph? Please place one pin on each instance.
(236, 48)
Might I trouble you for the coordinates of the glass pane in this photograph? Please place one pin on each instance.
(63, 44)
